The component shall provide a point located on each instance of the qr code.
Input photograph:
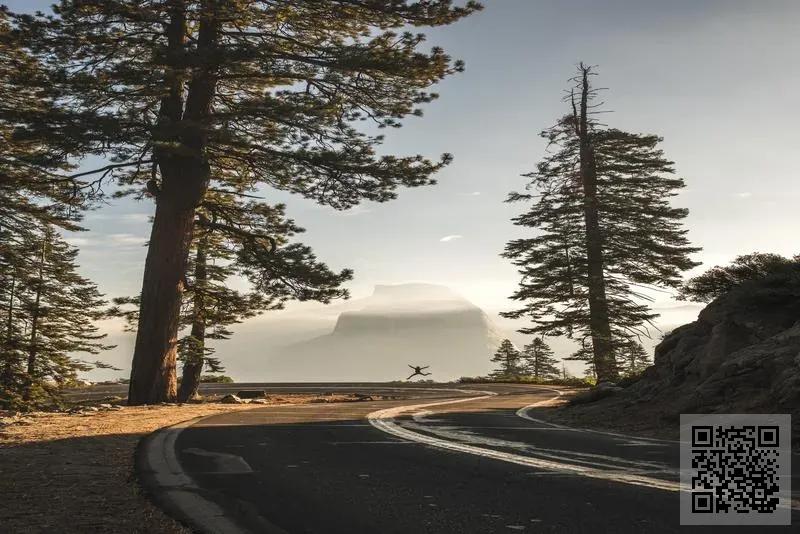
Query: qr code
(735, 465)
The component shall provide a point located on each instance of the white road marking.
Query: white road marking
(523, 412)
(422, 417)
(463, 435)
(384, 420)
(373, 442)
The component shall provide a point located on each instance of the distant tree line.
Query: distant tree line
(536, 362)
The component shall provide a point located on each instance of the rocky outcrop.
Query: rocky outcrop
(741, 355)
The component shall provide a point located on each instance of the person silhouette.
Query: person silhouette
(418, 371)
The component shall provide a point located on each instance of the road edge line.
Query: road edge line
(523, 413)
(160, 474)
(383, 420)
(164, 482)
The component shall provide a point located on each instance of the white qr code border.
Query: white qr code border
(735, 469)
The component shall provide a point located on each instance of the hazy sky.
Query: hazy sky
(715, 78)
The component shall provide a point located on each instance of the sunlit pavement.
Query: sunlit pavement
(470, 466)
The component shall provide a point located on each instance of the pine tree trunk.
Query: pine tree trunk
(32, 348)
(8, 365)
(153, 377)
(605, 366)
(193, 366)
(185, 177)
(190, 379)
(10, 318)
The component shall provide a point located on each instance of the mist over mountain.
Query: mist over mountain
(418, 324)
(374, 338)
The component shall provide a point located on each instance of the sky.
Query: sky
(714, 78)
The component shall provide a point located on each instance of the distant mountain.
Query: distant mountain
(370, 334)
(419, 324)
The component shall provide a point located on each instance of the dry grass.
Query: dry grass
(74, 473)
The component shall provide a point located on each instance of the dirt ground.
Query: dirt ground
(73, 473)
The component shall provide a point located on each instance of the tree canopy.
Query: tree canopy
(509, 361)
(192, 96)
(719, 281)
(48, 315)
(538, 359)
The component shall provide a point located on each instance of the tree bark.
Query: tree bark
(602, 346)
(5, 349)
(190, 379)
(193, 366)
(153, 377)
(10, 318)
(31, 370)
(185, 175)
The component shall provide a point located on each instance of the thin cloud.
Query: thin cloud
(473, 194)
(125, 240)
(134, 217)
(355, 210)
(77, 241)
(745, 194)
(96, 216)
(447, 238)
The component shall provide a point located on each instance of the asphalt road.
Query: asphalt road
(326, 468)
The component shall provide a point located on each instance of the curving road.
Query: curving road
(439, 461)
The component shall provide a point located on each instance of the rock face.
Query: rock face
(741, 355)
(418, 324)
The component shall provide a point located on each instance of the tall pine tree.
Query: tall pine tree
(633, 358)
(539, 361)
(604, 230)
(230, 241)
(509, 360)
(169, 91)
(49, 314)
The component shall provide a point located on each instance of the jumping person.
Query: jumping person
(418, 371)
